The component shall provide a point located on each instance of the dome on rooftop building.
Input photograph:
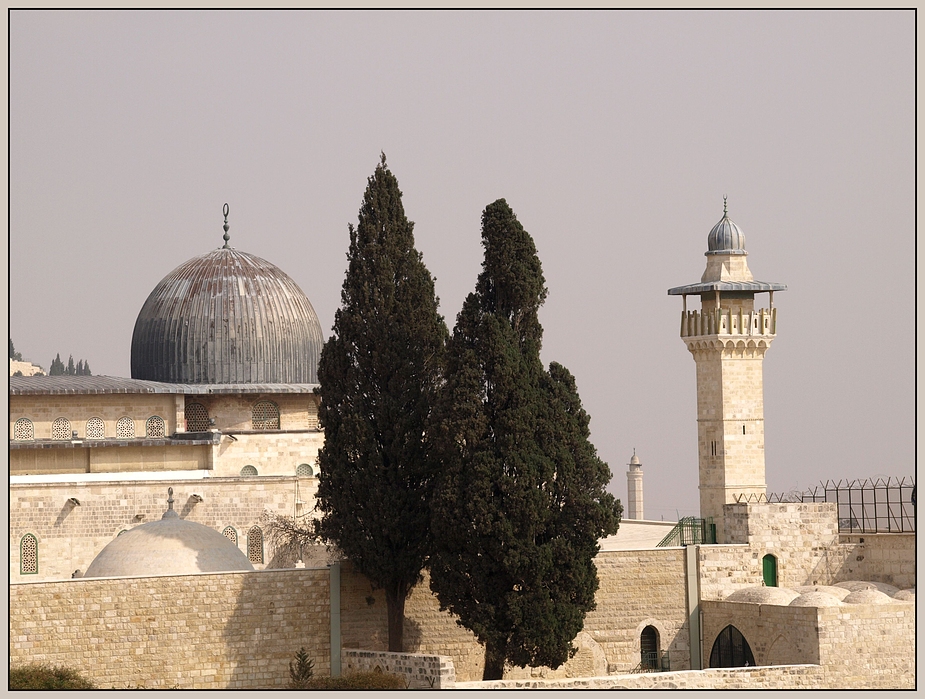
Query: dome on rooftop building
(168, 546)
(227, 317)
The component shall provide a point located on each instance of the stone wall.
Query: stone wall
(271, 453)
(419, 671)
(206, 631)
(888, 558)
(69, 537)
(43, 410)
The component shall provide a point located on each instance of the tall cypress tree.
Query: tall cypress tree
(70, 371)
(520, 502)
(378, 375)
(57, 366)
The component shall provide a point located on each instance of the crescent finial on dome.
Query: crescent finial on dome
(170, 511)
(226, 227)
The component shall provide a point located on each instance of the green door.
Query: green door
(769, 566)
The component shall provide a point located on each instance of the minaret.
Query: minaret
(728, 338)
(634, 489)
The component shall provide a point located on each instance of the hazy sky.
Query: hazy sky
(613, 136)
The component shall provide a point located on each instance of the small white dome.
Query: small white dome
(858, 585)
(816, 599)
(169, 546)
(764, 595)
(905, 595)
(838, 593)
(867, 597)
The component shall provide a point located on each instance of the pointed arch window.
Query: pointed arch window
(730, 649)
(231, 534)
(255, 545)
(28, 555)
(265, 416)
(23, 430)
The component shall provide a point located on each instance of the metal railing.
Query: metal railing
(653, 662)
(690, 530)
(865, 506)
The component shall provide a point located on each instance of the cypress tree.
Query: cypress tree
(378, 375)
(520, 503)
(70, 371)
(57, 366)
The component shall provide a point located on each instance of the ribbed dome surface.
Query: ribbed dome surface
(726, 238)
(227, 317)
(169, 546)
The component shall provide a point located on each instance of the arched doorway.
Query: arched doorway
(730, 649)
(769, 570)
(648, 648)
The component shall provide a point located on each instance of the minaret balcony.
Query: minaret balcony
(725, 321)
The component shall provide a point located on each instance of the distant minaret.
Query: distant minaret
(634, 489)
(728, 339)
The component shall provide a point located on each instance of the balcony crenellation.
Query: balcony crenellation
(724, 321)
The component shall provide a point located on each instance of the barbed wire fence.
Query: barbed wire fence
(865, 505)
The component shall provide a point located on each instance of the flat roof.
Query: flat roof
(98, 385)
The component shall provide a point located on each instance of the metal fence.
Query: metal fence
(868, 505)
(691, 530)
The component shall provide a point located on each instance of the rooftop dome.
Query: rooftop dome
(726, 238)
(169, 546)
(764, 595)
(227, 317)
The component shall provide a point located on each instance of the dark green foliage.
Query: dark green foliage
(359, 680)
(378, 376)
(70, 366)
(14, 355)
(82, 368)
(57, 366)
(301, 670)
(47, 677)
(520, 503)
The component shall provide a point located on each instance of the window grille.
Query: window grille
(255, 545)
(731, 650)
(230, 534)
(125, 428)
(23, 430)
(155, 427)
(265, 416)
(95, 428)
(249, 470)
(304, 471)
(28, 555)
(197, 418)
(312, 416)
(61, 429)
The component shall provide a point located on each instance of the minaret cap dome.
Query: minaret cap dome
(726, 238)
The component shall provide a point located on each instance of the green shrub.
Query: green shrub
(359, 680)
(45, 677)
(301, 670)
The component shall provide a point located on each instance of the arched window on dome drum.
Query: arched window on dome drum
(304, 471)
(249, 470)
(95, 428)
(265, 416)
(197, 418)
(731, 650)
(125, 428)
(648, 648)
(28, 555)
(231, 534)
(255, 545)
(23, 430)
(155, 427)
(61, 429)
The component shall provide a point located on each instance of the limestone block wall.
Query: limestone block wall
(207, 631)
(888, 558)
(271, 453)
(77, 409)
(69, 537)
(297, 411)
(58, 460)
(419, 671)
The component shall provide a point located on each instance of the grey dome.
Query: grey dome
(764, 595)
(169, 546)
(227, 317)
(726, 238)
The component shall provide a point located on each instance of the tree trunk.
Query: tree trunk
(395, 602)
(494, 662)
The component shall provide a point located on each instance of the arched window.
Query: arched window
(95, 428)
(648, 648)
(231, 534)
(28, 555)
(197, 418)
(125, 428)
(265, 416)
(255, 545)
(154, 427)
(249, 470)
(61, 429)
(304, 471)
(23, 430)
(769, 570)
(731, 649)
